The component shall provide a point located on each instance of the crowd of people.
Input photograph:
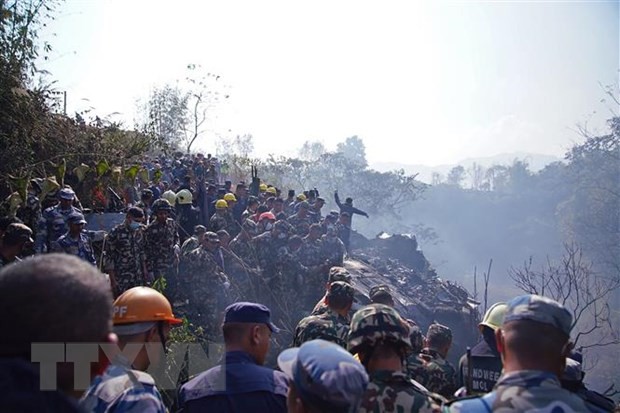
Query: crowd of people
(249, 263)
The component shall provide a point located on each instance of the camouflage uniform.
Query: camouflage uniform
(207, 290)
(332, 250)
(388, 391)
(434, 372)
(392, 391)
(244, 249)
(120, 389)
(160, 242)
(329, 326)
(335, 274)
(81, 247)
(217, 222)
(52, 225)
(190, 245)
(288, 281)
(125, 256)
(300, 225)
(524, 391)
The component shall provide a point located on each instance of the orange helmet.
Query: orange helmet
(142, 304)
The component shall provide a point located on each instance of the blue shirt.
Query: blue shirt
(239, 386)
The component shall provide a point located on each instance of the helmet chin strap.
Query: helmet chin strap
(160, 331)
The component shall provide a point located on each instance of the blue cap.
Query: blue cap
(76, 218)
(66, 193)
(540, 309)
(245, 312)
(325, 375)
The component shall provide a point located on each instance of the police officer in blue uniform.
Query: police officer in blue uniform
(240, 383)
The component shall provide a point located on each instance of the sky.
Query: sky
(427, 82)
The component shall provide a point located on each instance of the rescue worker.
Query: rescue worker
(323, 377)
(348, 207)
(142, 316)
(531, 377)
(194, 241)
(333, 325)
(335, 274)
(162, 246)
(53, 223)
(76, 241)
(218, 220)
(146, 200)
(242, 245)
(125, 259)
(30, 211)
(207, 285)
(187, 215)
(301, 220)
(485, 359)
(232, 225)
(332, 247)
(240, 383)
(434, 371)
(380, 338)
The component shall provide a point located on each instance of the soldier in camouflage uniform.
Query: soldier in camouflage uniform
(431, 368)
(333, 325)
(125, 259)
(218, 221)
(332, 248)
(76, 241)
(146, 200)
(335, 274)
(534, 340)
(242, 245)
(310, 255)
(288, 282)
(162, 246)
(53, 223)
(380, 338)
(207, 286)
(301, 220)
(194, 241)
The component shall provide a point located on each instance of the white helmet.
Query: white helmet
(184, 197)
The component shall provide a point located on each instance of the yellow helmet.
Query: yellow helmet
(301, 197)
(494, 317)
(142, 304)
(262, 187)
(230, 197)
(221, 204)
(272, 190)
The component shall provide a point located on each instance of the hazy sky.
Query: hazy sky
(419, 82)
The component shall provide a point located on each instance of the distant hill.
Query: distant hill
(535, 161)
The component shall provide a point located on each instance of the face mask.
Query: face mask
(282, 236)
(268, 226)
(134, 225)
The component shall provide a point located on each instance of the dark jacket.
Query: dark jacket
(240, 386)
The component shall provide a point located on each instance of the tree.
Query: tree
(573, 283)
(311, 150)
(167, 115)
(476, 174)
(436, 178)
(353, 149)
(456, 176)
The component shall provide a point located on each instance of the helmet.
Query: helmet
(142, 304)
(266, 215)
(161, 205)
(376, 323)
(272, 190)
(221, 204)
(301, 197)
(169, 196)
(230, 197)
(262, 187)
(184, 197)
(494, 316)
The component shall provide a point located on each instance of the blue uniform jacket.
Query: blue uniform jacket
(239, 386)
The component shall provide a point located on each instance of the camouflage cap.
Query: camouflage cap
(66, 193)
(338, 274)
(199, 229)
(211, 236)
(17, 232)
(161, 205)
(281, 226)
(375, 323)
(325, 375)
(76, 218)
(439, 332)
(540, 309)
(341, 289)
(379, 292)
